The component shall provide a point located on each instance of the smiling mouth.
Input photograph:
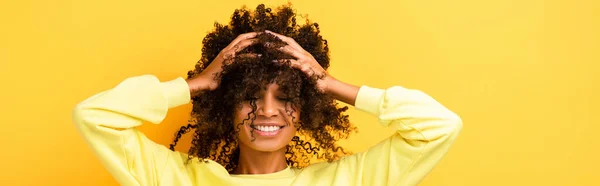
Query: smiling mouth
(264, 128)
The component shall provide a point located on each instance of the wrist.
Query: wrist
(341, 91)
(198, 85)
(330, 84)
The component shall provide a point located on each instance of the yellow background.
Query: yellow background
(521, 73)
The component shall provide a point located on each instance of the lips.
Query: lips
(267, 129)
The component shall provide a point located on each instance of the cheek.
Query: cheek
(296, 114)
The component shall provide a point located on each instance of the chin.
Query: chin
(266, 146)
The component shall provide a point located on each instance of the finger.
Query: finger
(286, 39)
(244, 44)
(291, 51)
(242, 37)
(250, 55)
(303, 67)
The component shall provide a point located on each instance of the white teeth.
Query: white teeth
(267, 128)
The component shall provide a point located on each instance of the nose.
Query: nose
(268, 107)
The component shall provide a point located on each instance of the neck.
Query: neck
(256, 162)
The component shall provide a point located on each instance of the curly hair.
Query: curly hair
(322, 121)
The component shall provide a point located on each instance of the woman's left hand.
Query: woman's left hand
(305, 62)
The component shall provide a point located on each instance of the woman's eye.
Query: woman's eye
(283, 98)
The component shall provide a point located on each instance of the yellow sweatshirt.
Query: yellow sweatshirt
(108, 120)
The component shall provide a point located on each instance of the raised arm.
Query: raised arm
(425, 132)
(108, 120)
(425, 128)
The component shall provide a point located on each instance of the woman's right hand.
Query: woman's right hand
(206, 81)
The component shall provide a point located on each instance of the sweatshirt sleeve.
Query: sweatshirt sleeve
(425, 131)
(108, 119)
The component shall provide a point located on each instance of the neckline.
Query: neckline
(285, 173)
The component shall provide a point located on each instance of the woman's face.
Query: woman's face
(273, 127)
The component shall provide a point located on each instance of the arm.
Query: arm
(108, 119)
(425, 132)
(425, 128)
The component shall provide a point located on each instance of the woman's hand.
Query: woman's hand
(206, 80)
(306, 63)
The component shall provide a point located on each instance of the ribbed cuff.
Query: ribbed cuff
(369, 99)
(176, 91)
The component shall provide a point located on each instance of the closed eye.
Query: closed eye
(283, 98)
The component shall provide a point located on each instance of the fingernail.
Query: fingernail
(259, 55)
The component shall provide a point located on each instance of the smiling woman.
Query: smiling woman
(259, 85)
(263, 104)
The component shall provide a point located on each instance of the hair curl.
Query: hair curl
(321, 123)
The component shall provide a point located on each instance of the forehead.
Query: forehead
(272, 87)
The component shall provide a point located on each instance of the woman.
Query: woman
(263, 107)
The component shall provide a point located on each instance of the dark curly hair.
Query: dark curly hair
(321, 122)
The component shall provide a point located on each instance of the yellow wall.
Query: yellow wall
(520, 73)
